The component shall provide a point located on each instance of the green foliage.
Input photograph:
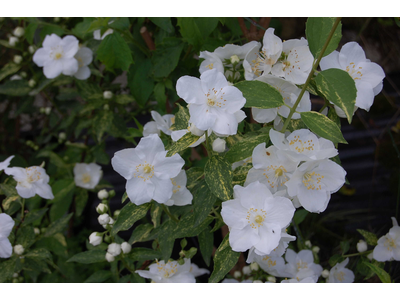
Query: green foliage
(114, 52)
(218, 175)
(129, 214)
(260, 94)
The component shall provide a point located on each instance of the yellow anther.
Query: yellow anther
(86, 178)
(147, 169)
(259, 219)
(278, 172)
(58, 56)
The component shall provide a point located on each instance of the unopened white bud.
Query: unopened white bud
(271, 279)
(116, 213)
(104, 219)
(315, 249)
(196, 131)
(62, 136)
(362, 246)
(15, 77)
(114, 249)
(23, 74)
(126, 247)
(237, 274)
(107, 95)
(56, 19)
(254, 266)
(106, 107)
(102, 209)
(36, 230)
(18, 31)
(102, 194)
(246, 270)
(235, 59)
(13, 41)
(370, 256)
(15, 275)
(47, 110)
(31, 49)
(32, 82)
(325, 273)
(109, 257)
(257, 281)
(94, 239)
(308, 243)
(17, 59)
(219, 145)
(18, 249)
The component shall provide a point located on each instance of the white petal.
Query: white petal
(167, 167)
(189, 89)
(70, 66)
(51, 41)
(149, 146)
(83, 73)
(5, 248)
(163, 189)
(7, 224)
(243, 239)
(264, 115)
(351, 53)
(125, 161)
(234, 214)
(138, 191)
(201, 116)
(53, 68)
(41, 56)
(70, 45)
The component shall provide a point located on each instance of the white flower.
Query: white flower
(19, 249)
(196, 271)
(313, 183)
(255, 218)
(12, 40)
(84, 56)
(272, 264)
(103, 219)
(126, 247)
(246, 270)
(4, 164)
(160, 123)
(87, 176)
(271, 279)
(388, 247)
(325, 273)
(340, 274)
(362, 246)
(102, 194)
(301, 265)
(147, 170)
(219, 145)
(303, 145)
(6, 225)
(298, 280)
(213, 102)
(94, 239)
(101, 208)
(107, 95)
(289, 92)
(180, 194)
(169, 272)
(114, 249)
(368, 76)
(97, 33)
(109, 257)
(296, 63)
(271, 167)
(17, 59)
(18, 31)
(31, 181)
(257, 62)
(57, 55)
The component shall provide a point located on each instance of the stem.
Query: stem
(217, 214)
(169, 213)
(314, 68)
(22, 209)
(298, 233)
(209, 152)
(325, 106)
(357, 254)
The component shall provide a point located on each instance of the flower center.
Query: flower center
(300, 146)
(302, 265)
(175, 187)
(340, 276)
(86, 178)
(210, 102)
(390, 244)
(57, 56)
(144, 171)
(255, 217)
(33, 174)
(147, 169)
(312, 181)
(278, 172)
(351, 69)
(168, 269)
(275, 176)
(271, 263)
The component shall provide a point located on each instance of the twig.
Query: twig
(147, 38)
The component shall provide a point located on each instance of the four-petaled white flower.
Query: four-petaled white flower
(57, 56)
(147, 170)
(301, 265)
(272, 264)
(180, 194)
(388, 247)
(196, 271)
(169, 272)
(84, 56)
(87, 176)
(213, 102)
(368, 76)
(255, 218)
(340, 274)
(6, 225)
(4, 164)
(31, 181)
(313, 182)
(160, 123)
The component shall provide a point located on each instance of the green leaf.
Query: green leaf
(244, 148)
(39, 254)
(181, 118)
(164, 23)
(7, 268)
(166, 56)
(141, 233)
(81, 198)
(9, 69)
(25, 237)
(203, 201)
(121, 23)
(140, 82)
(8, 189)
(193, 176)
(299, 216)
(260, 94)
(338, 87)
(195, 30)
(15, 88)
(369, 237)
(182, 144)
(317, 32)
(114, 52)
(32, 216)
(63, 191)
(57, 226)
(323, 126)
(142, 254)
(129, 214)
(218, 175)
(99, 276)
(30, 32)
(335, 259)
(224, 260)
(89, 257)
(345, 246)
(102, 123)
(382, 274)
(160, 95)
(155, 213)
(49, 29)
(206, 242)
(9, 200)
(124, 99)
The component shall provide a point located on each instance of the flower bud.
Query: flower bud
(62, 136)
(271, 279)
(114, 249)
(237, 274)
(107, 95)
(257, 281)
(196, 131)
(32, 82)
(104, 219)
(308, 243)
(13, 41)
(126, 247)
(94, 239)
(15, 275)
(31, 49)
(235, 59)
(246, 270)
(18, 249)
(116, 213)
(18, 31)
(315, 249)
(325, 273)
(106, 107)
(219, 145)
(111, 193)
(36, 230)
(102, 209)
(370, 256)
(15, 77)
(23, 74)
(362, 246)
(56, 19)
(102, 194)
(47, 110)
(17, 59)
(109, 257)
(15, 280)
(254, 266)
